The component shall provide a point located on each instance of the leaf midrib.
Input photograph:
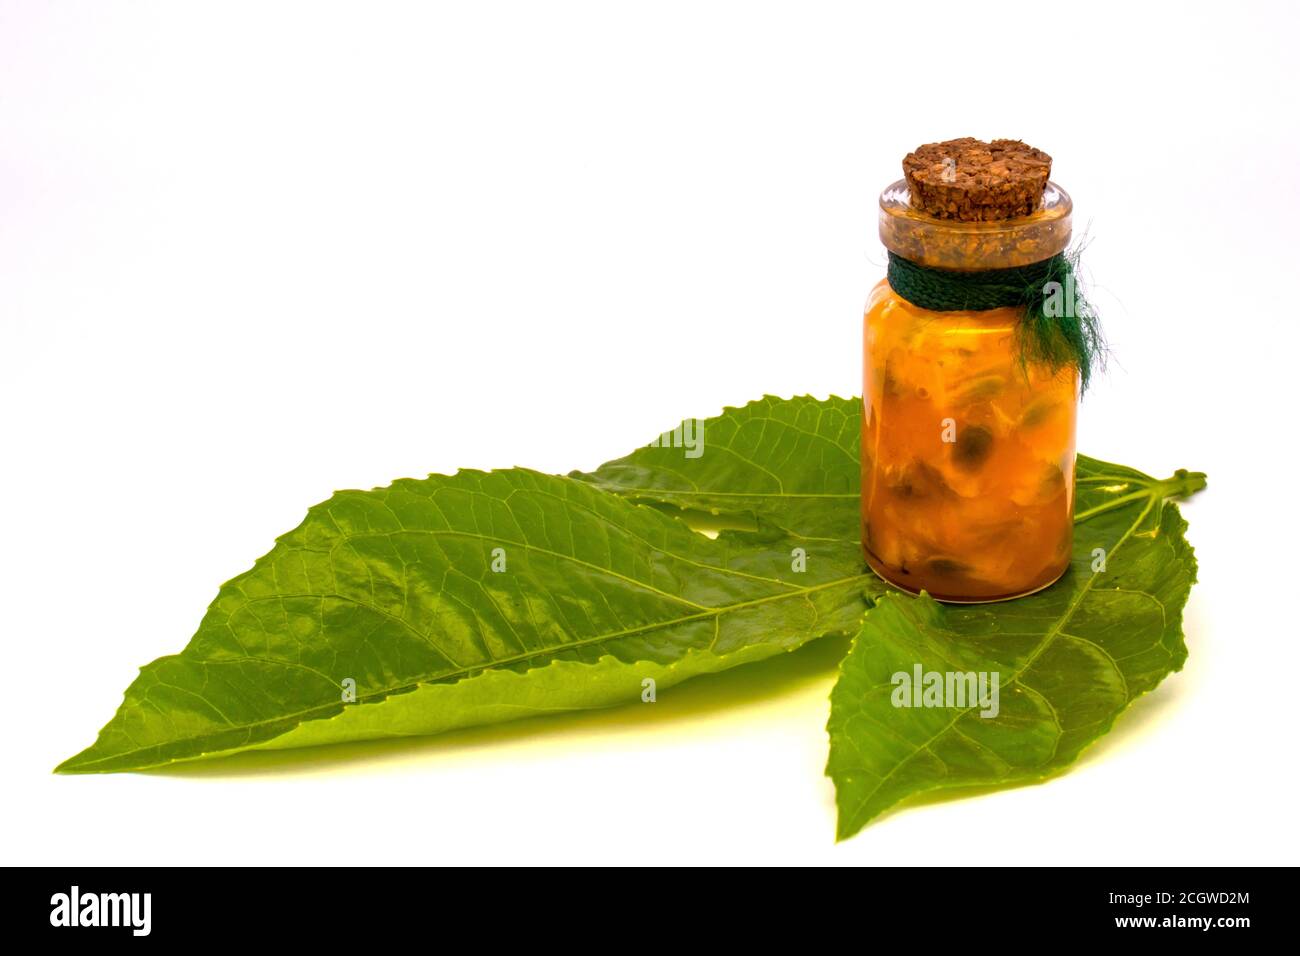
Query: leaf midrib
(453, 677)
(625, 490)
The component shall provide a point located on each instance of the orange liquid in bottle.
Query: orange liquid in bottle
(967, 454)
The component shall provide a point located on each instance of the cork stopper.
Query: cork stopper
(969, 180)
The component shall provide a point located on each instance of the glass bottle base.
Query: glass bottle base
(954, 598)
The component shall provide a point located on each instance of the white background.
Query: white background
(251, 253)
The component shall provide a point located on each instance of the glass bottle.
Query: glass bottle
(967, 447)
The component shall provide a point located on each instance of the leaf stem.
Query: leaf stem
(1183, 484)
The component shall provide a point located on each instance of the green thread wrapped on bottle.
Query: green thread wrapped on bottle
(1058, 326)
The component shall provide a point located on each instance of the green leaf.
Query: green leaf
(1070, 659)
(790, 461)
(794, 463)
(395, 590)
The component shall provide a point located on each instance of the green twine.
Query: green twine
(1058, 326)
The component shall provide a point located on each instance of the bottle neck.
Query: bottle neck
(974, 246)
